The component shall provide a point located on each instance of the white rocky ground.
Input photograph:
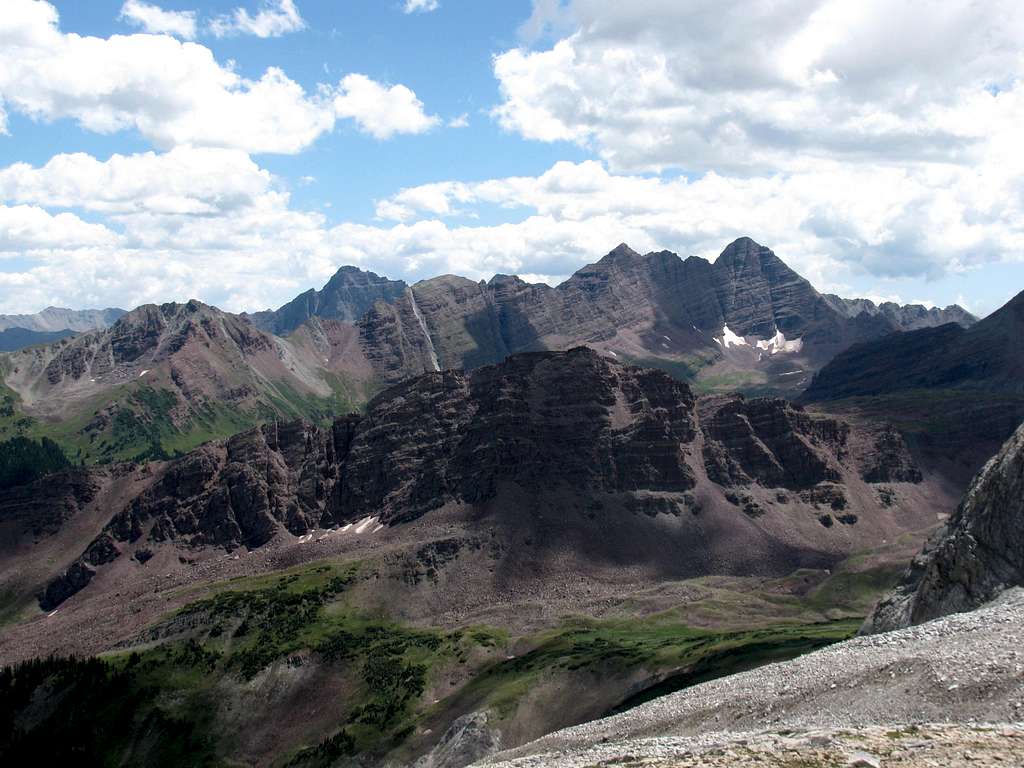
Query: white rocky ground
(927, 695)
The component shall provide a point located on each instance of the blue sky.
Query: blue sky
(444, 56)
(240, 151)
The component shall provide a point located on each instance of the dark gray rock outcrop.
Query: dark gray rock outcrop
(771, 442)
(977, 554)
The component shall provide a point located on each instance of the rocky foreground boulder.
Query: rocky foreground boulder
(977, 555)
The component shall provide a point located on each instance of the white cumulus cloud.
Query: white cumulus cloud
(25, 229)
(381, 110)
(869, 144)
(887, 222)
(176, 93)
(750, 87)
(165, 224)
(273, 19)
(201, 181)
(155, 20)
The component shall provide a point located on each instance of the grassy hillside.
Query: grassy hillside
(138, 422)
(288, 654)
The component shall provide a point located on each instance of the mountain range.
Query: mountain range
(392, 524)
(986, 356)
(722, 322)
(165, 378)
(472, 510)
(621, 445)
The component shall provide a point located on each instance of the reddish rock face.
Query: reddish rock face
(43, 507)
(547, 424)
(770, 442)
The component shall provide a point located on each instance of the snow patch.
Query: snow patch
(143, 373)
(365, 523)
(426, 334)
(779, 343)
(773, 346)
(730, 339)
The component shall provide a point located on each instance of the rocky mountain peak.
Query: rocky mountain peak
(620, 255)
(347, 296)
(506, 280)
(761, 295)
(743, 253)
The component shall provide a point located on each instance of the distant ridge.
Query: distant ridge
(60, 319)
(906, 317)
(745, 321)
(987, 356)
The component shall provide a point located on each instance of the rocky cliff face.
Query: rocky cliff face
(613, 439)
(977, 554)
(237, 493)
(347, 296)
(655, 308)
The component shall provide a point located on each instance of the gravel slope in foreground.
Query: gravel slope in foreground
(966, 668)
